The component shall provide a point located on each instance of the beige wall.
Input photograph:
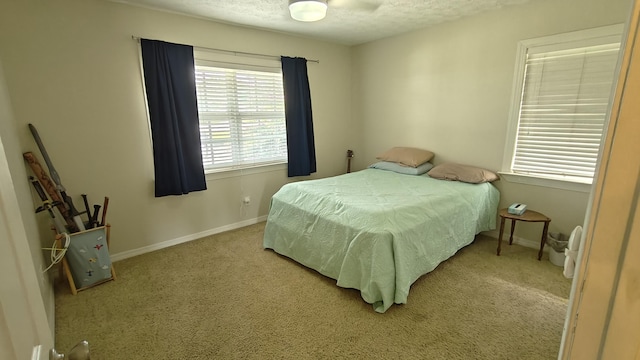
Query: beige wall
(448, 89)
(72, 69)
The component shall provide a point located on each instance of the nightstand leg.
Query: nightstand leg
(544, 238)
(513, 227)
(500, 234)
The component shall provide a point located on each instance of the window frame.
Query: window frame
(560, 41)
(205, 57)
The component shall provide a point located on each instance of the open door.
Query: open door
(603, 318)
(24, 328)
(23, 320)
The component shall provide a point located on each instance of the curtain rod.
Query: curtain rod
(137, 38)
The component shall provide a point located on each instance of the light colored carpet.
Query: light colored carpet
(225, 297)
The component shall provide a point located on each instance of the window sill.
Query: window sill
(231, 172)
(556, 183)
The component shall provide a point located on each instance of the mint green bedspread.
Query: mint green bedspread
(377, 231)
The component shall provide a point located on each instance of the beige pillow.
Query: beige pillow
(406, 155)
(464, 173)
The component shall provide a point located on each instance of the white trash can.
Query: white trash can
(556, 257)
(557, 243)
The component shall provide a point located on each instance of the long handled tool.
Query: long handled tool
(87, 210)
(94, 218)
(48, 205)
(50, 187)
(105, 205)
(56, 178)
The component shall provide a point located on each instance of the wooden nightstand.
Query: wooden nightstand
(528, 216)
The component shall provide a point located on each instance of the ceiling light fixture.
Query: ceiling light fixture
(308, 10)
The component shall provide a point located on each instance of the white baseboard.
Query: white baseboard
(51, 311)
(516, 240)
(165, 244)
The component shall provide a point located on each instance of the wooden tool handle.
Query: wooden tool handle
(104, 211)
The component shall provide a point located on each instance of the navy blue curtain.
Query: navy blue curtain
(169, 76)
(297, 102)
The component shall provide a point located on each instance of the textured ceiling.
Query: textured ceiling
(348, 22)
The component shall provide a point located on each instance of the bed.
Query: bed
(377, 231)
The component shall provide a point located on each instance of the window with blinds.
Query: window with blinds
(564, 99)
(242, 121)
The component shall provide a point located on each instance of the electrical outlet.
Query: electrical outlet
(246, 200)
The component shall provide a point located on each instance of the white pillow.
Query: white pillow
(402, 169)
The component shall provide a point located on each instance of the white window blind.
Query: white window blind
(242, 121)
(565, 97)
